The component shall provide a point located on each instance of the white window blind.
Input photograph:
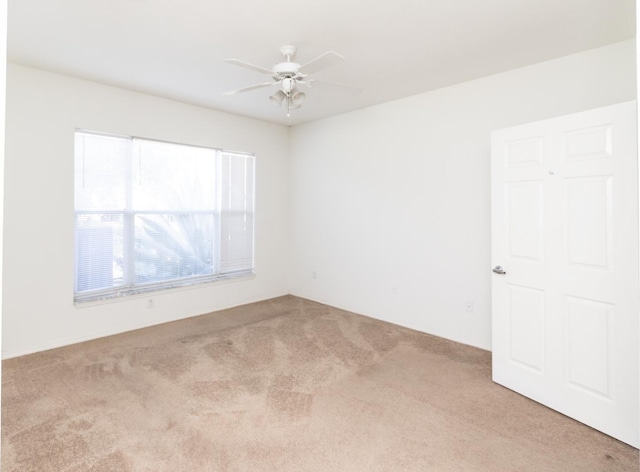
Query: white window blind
(151, 215)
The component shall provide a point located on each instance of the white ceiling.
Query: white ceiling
(393, 48)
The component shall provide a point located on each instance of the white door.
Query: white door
(565, 232)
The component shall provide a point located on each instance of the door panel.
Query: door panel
(526, 318)
(589, 356)
(565, 230)
(524, 152)
(588, 143)
(588, 221)
(525, 223)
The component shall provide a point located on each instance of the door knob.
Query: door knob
(499, 270)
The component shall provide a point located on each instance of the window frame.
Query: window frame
(129, 285)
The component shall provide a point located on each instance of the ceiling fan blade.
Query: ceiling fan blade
(251, 87)
(351, 89)
(323, 61)
(246, 65)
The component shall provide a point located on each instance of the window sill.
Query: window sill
(156, 291)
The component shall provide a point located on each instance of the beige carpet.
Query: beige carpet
(282, 385)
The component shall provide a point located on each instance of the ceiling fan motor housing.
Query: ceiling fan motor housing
(288, 84)
(287, 69)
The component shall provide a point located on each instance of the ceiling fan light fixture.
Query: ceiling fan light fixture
(277, 98)
(297, 98)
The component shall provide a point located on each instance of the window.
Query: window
(151, 215)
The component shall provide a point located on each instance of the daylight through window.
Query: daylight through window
(151, 215)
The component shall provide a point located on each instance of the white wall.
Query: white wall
(43, 110)
(390, 205)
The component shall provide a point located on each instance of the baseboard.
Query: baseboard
(352, 310)
(9, 354)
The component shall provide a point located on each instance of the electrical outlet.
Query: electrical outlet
(150, 303)
(314, 275)
(468, 307)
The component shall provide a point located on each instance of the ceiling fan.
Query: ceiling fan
(289, 75)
